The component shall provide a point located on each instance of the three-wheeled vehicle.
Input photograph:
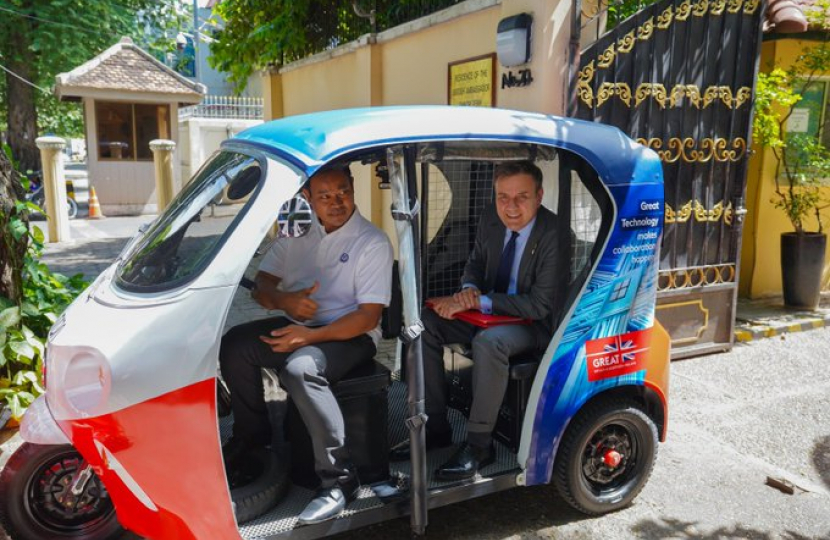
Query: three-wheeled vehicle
(129, 425)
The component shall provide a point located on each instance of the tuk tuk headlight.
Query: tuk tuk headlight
(87, 381)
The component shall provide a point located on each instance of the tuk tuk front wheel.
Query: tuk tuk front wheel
(606, 456)
(37, 499)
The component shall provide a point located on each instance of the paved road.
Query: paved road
(761, 410)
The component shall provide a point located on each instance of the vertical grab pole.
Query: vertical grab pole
(404, 212)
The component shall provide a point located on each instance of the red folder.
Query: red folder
(483, 320)
(486, 321)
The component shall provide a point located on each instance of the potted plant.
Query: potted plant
(802, 163)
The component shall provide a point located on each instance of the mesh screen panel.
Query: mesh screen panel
(458, 192)
(585, 224)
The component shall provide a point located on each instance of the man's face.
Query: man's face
(517, 200)
(332, 198)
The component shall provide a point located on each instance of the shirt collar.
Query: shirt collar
(524, 232)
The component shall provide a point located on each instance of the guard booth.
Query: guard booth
(129, 99)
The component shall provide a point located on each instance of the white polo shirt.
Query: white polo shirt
(353, 266)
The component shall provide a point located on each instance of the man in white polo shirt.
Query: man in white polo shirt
(332, 285)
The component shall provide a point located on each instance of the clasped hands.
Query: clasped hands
(301, 307)
(447, 306)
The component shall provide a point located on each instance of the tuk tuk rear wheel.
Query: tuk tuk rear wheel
(606, 456)
(37, 502)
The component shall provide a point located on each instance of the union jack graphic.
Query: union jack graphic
(621, 346)
(616, 355)
(294, 218)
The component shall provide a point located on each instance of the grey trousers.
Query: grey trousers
(492, 349)
(306, 375)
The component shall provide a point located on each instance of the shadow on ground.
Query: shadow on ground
(510, 514)
(673, 528)
(821, 458)
(89, 257)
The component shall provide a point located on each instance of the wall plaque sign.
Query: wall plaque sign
(472, 81)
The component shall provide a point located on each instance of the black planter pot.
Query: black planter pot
(802, 264)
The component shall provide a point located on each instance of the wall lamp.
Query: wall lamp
(513, 39)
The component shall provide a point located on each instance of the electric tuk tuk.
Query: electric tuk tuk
(131, 365)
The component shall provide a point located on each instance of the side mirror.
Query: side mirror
(244, 183)
(294, 218)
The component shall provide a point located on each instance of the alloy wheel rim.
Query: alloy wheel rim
(609, 459)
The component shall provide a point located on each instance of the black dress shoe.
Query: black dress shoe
(350, 487)
(465, 463)
(400, 452)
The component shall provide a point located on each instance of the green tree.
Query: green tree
(41, 38)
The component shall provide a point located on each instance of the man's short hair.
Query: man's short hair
(331, 167)
(512, 168)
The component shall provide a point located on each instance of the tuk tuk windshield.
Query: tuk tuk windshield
(182, 241)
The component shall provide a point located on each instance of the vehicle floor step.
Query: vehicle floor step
(283, 518)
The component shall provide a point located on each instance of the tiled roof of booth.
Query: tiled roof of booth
(125, 67)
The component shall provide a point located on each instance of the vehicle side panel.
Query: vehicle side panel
(606, 343)
(156, 481)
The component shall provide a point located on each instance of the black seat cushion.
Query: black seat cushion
(365, 378)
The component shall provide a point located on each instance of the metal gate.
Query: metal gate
(678, 77)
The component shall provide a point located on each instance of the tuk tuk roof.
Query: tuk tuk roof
(311, 140)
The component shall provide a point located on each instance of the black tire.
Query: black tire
(600, 434)
(35, 481)
(266, 491)
(72, 208)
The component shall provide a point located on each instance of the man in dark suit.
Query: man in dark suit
(511, 271)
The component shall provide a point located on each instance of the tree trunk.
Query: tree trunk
(11, 251)
(20, 97)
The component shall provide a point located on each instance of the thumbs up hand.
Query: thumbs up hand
(299, 304)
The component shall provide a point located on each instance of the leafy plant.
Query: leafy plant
(802, 160)
(25, 323)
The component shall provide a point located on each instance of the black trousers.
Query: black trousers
(492, 349)
(305, 374)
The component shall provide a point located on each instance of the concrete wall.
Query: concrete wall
(408, 64)
(415, 63)
(761, 250)
(199, 138)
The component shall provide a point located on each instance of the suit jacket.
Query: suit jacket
(537, 285)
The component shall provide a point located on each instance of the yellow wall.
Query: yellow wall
(409, 66)
(339, 82)
(761, 250)
(549, 57)
(415, 64)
